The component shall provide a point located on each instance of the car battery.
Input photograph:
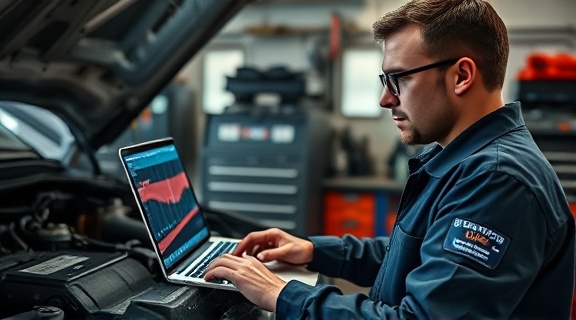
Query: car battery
(78, 282)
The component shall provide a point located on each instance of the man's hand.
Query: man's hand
(250, 276)
(275, 244)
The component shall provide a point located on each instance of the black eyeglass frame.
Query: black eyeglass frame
(391, 79)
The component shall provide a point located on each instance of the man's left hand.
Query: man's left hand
(251, 278)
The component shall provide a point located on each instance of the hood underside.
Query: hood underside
(97, 64)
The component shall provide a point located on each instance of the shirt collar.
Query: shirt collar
(436, 160)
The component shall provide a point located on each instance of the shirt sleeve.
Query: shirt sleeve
(300, 301)
(343, 257)
(445, 284)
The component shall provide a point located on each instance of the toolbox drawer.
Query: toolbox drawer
(349, 212)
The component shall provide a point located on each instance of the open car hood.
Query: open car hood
(97, 64)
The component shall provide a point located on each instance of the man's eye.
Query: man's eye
(403, 79)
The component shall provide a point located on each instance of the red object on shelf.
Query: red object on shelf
(335, 37)
(544, 66)
(349, 212)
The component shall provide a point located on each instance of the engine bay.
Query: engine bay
(72, 256)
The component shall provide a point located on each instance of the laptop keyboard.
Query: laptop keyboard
(220, 249)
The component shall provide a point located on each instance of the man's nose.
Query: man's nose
(387, 99)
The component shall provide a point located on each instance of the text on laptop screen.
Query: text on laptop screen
(168, 201)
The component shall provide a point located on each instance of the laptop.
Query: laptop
(175, 221)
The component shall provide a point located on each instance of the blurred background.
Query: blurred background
(278, 116)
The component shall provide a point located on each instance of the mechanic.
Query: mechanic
(484, 229)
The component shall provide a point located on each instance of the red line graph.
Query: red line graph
(164, 243)
(166, 191)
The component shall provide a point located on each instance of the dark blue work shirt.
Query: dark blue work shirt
(483, 231)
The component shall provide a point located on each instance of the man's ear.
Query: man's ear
(465, 75)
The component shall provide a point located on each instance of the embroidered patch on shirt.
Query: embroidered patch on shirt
(477, 242)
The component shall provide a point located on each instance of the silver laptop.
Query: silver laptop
(174, 219)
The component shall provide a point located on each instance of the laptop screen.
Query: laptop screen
(171, 209)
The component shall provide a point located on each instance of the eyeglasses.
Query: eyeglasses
(391, 79)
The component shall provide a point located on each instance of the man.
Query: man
(483, 230)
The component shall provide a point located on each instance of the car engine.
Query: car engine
(81, 252)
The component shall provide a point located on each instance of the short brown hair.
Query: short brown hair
(454, 29)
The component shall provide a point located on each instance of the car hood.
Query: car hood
(97, 64)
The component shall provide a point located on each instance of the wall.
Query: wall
(534, 25)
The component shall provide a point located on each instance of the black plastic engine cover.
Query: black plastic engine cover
(107, 285)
